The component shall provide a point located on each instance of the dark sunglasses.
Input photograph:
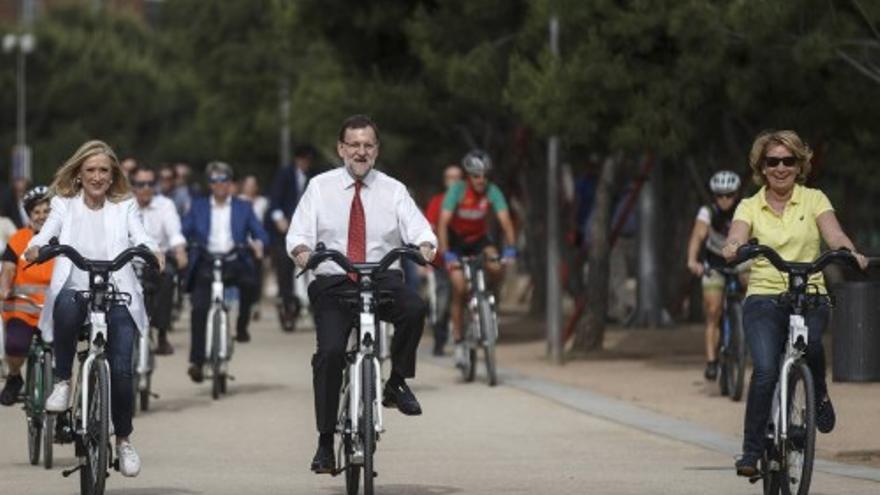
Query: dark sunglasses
(726, 196)
(140, 184)
(217, 179)
(774, 161)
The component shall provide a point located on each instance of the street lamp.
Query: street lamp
(21, 153)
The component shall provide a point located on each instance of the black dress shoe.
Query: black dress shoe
(9, 395)
(164, 348)
(398, 394)
(747, 465)
(825, 417)
(195, 373)
(242, 337)
(324, 461)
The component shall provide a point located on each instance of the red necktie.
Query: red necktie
(357, 228)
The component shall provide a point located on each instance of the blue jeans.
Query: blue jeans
(70, 313)
(766, 326)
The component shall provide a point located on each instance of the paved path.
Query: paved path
(471, 440)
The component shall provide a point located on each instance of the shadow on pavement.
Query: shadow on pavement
(159, 490)
(405, 490)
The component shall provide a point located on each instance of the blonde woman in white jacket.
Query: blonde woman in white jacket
(92, 211)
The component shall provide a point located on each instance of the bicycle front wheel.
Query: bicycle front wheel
(48, 419)
(368, 428)
(96, 439)
(32, 412)
(737, 355)
(216, 365)
(799, 449)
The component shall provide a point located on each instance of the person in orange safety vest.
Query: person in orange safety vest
(22, 291)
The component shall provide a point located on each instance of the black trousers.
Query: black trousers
(284, 270)
(159, 299)
(334, 319)
(235, 273)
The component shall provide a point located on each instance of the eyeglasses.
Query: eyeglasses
(477, 176)
(774, 161)
(726, 196)
(368, 147)
(140, 184)
(166, 177)
(217, 179)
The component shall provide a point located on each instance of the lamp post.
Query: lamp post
(23, 44)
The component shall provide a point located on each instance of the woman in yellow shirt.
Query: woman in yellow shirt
(792, 219)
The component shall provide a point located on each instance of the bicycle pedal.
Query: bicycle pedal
(67, 472)
(756, 478)
(154, 395)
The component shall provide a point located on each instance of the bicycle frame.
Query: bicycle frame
(218, 305)
(97, 340)
(365, 350)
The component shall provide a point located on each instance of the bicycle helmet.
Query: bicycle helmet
(724, 182)
(476, 162)
(33, 197)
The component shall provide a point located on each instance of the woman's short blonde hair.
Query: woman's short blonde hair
(67, 184)
(791, 141)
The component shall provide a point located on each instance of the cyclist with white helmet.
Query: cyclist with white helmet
(706, 242)
(463, 230)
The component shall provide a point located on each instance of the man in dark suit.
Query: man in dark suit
(287, 189)
(219, 223)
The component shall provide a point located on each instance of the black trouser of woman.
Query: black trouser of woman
(70, 314)
(335, 318)
(766, 325)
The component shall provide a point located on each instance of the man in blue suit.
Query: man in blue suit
(219, 223)
(287, 188)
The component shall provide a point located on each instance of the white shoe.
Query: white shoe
(460, 355)
(59, 400)
(129, 461)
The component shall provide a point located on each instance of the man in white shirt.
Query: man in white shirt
(161, 222)
(364, 213)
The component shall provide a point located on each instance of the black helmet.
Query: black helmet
(33, 197)
(477, 162)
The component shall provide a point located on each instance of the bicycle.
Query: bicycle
(87, 422)
(360, 415)
(731, 351)
(786, 465)
(482, 329)
(218, 342)
(38, 385)
(144, 358)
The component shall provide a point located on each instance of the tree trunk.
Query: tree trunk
(591, 332)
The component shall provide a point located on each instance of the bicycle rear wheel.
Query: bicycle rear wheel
(737, 353)
(799, 449)
(368, 429)
(96, 439)
(34, 421)
(48, 419)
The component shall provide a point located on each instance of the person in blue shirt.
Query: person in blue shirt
(220, 222)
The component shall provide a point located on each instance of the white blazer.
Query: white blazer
(123, 228)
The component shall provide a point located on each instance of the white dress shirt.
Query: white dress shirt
(220, 237)
(392, 217)
(121, 229)
(162, 223)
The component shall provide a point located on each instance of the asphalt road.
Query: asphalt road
(472, 439)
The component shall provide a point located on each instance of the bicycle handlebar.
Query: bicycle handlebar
(322, 254)
(54, 249)
(227, 256)
(753, 250)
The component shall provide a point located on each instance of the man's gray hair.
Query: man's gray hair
(217, 167)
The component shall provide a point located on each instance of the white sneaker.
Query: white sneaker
(59, 400)
(129, 461)
(460, 355)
